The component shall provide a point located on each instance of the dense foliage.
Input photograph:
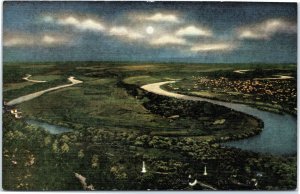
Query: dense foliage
(116, 126)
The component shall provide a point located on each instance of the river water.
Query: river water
(279, 135)
(53, 129)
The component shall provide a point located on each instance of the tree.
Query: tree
(55, 148)
(65, 139)
(65, 148)
(95, 161)
(119, 172)
(80, 154)
(47, 140)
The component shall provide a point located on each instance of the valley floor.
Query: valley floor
(115, 126)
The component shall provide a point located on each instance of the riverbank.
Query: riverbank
(276, 96)
(31, 80)
(261, 106)
(37, 94)
(113, 133)
(176, 106)
(261, 143)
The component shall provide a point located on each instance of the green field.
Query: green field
(116, 125)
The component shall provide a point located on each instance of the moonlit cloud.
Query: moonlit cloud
(160, 17)
(90, 24)
(194, 31)
(266, 29)
(168, 40)
(45, 40)
(21, 40)
(164, 36)
(156, 17)
(54, 40)
(210, 47)
(80, 23)
(119, 31)
(160, 31)
(68, 21)
(123, 31)
(48, 19)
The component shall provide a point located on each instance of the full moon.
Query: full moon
(149, 30)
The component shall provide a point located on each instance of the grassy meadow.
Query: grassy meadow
(116, 125)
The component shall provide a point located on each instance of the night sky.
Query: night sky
(150, 31)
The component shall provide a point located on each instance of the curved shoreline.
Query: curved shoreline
(278, 137)
(37, 94)
(267, 106)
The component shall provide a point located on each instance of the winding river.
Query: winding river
(279, 135)
(37, 94)
(32, 80)
(53, 129)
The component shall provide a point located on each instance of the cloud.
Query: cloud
(168, 40)
(119, 31)
(123, 31)
(210, 47)
(11, 41)
(164, 36)
(80, 23)
(48, 19)
(54, 39)
(158, 17)
(91, 23)
(266, 29)
(45, 40)
(194, 31)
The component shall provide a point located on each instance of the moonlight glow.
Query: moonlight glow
(149, 30)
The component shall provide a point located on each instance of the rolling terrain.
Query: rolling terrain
(113, 124)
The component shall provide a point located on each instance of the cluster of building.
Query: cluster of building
(275, 91)
(17, 114)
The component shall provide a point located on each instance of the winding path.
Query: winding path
(37, 94)
(278, 137)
